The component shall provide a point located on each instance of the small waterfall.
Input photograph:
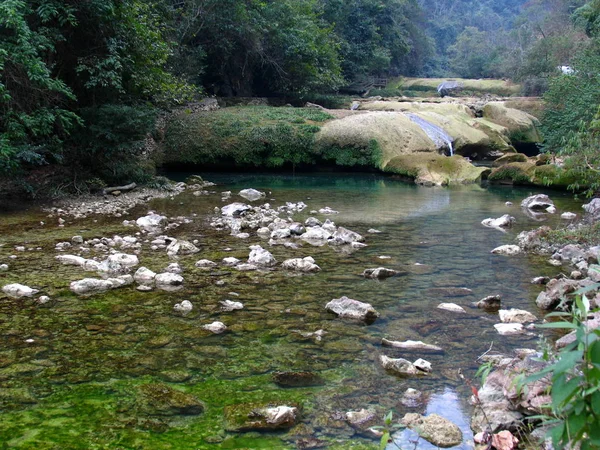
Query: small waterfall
(435, 133)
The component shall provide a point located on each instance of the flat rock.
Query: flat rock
(508, 329)
(168, 281)
(451, 307)
(235, 209)
(516, 316)
(412, 345)
(301, 265)
(506, 221)
(379, 273)
(347, 308)
(343, 236)
(508, 250)
(229, 305)
(17, 290)
(181, 247)
(400, 366)
(434, 429)
(449, 292)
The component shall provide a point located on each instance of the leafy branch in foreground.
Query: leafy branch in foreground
(575, 377)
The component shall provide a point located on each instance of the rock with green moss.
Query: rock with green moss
(297, 379)
(261, 416)
(436, 170)
(162, 400)
(510, 158)
(522, 127)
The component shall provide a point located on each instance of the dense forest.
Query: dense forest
(81, 83)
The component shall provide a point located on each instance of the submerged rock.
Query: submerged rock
(379, 273)
(297, 379)
(251, 194)
(229, 305)
(162, 400)
(118, 263)
(94, 285)
(453, 307)
(316, 233)
(17, 290)
(412, 398)
(168, 281)
(352, 309)
(434, 429)
(508, 329)
(301, 264)
(364, 421)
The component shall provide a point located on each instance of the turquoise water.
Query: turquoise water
(77, 384)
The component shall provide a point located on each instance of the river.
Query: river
(70, 370)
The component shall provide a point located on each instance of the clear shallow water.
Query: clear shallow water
(77, 384)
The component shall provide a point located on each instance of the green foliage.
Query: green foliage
(111, 145)
(571, 123)
(588, 235)
(512, 171)
(575, 377)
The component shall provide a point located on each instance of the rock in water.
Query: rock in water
(118, 263)
(363, 421)
(251, 194)
(379, 273)
(205, 264)
(505, 221)
(301, 264)
(260, 256)
(352, 309)
(177, 247)
(490, 303)
(297, 379)
(412, 345)
(453, 307)
(256, 416)
(516, 316)
(507, 250)
(400, 366)
(144, 276)
(162, 400)
(168, 281)
(435, 429)
(229, 305)
(184, 306)
(215, 327)
(235, 209)
(17, 290)
(344, 236)
(539, 202)
(508, 329)
(152, 223)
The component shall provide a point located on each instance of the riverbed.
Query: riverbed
(71, 369)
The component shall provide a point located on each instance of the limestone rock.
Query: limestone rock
(297, 379)
(412, 398)
(230, 261)
(508, 329)
(257, 417)
(593, 208)
(118, 263)
(344, 236)
(316, 233)
(162, 400)
(568, 216)
(168, 281)
(180, 247)
(363, 420)
(17, 290)
(434, 429)
(94, 285)
(557, 290)
(229, 305)
(347, 308)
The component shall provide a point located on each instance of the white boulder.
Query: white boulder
(17, 290)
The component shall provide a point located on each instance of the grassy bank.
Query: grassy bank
(258, 136)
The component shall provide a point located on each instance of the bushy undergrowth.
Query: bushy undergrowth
(258, 136)
(588, 235)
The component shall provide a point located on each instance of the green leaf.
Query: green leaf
(562, 325)
(576, 424)
(384, 440)
(595, 404)
(594, 352)
(567, 361)
(563, 392)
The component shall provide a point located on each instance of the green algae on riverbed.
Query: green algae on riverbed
(77, 383)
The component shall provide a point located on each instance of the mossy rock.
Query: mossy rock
(522, 127)
(433, 169)
(551, 175)
(512, 173)
(297, 379)
(162, 400)
(253, 417)
(510, 158)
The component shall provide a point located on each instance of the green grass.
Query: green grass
(258, 136)
(483, 86)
